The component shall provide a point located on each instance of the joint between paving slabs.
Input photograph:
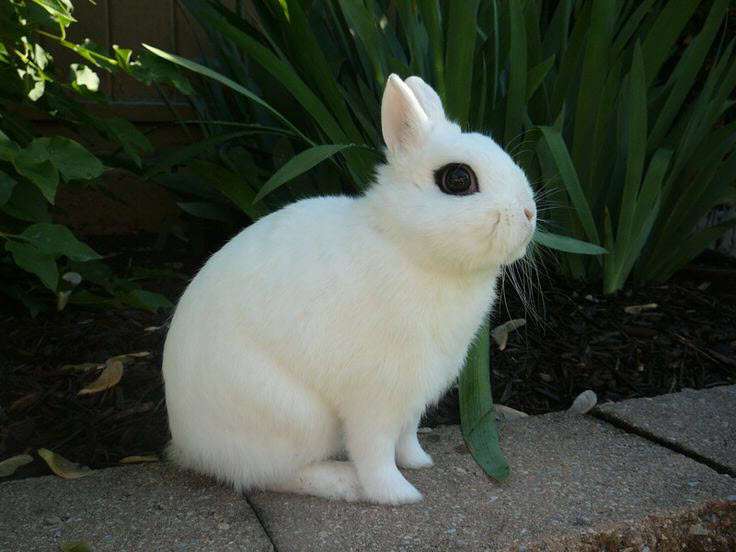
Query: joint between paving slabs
(675, 447)
(262, 523)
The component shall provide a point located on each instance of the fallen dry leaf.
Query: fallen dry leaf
(638, 309)
(20, 404)
(76, 546)
(81, 368)
(500, 334)
(129, 356)
(139, 459)
(62, 467)
(9, 465)
(504, 412)
(109, 377)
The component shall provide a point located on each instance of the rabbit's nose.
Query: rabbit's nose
(528, 214)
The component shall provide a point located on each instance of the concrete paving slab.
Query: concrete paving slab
(135, 508)
(701, 423)
(570, 476)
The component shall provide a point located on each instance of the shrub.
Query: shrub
(32, 168)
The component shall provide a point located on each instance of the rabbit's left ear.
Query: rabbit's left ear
(404, 122)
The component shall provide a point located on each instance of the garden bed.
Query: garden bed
(578, 340)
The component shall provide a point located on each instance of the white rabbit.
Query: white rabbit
(330, 325)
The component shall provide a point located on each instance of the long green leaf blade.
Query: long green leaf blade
(299, 164)
(567, 244)
(477, 416)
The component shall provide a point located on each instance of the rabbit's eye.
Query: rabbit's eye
(456, 179)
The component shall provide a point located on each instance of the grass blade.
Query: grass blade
(567, 244)
(461, 37)
(299, 164)
(564, 164)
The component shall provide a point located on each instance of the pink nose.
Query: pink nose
(528, 214)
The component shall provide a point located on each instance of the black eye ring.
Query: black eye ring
(456, 179)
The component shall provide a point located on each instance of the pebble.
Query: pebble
(584, 402)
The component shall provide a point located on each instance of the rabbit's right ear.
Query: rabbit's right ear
(428, 98)
(403, 121)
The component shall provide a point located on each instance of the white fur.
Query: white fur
(329, 326)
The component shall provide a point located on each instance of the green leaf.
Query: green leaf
(477, 416)
(182, 154)
(233, 186)
(299, 164)
(55, 240)
(8, 148)
(33, 163)
(72, 159)
(208, 210)
(128, 136)
(460, 47)
(6, 187)
(663, 34)
(214, 75)
(518, 67)
(536, 76)
(147, 300)
(150, 68)
(27, 203)
(83, 76)
(32, 259)
(567, 244)
(569, 177)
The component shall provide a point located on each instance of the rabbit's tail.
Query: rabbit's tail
(329, 479)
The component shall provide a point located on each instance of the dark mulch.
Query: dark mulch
(582, 340)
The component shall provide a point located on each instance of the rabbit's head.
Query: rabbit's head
(455, 199)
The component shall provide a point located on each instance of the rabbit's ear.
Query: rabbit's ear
(428, 98)
(403, 121)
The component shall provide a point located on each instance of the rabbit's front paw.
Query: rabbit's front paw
(390, 487)
(413, 457)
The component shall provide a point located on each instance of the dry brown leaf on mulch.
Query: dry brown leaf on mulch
(501, 333)
(638, 309)
(109, 377)
(9, 465)
(62, 467)
(139, 459)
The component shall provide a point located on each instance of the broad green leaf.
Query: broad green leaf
(33, 162)
(147, 300)
(27, 203)
(299, 164)
(72, 160)
(32, 259)
(56, 240)
(8, 148)
(567, 244)
(6, 187)
(477, 415)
